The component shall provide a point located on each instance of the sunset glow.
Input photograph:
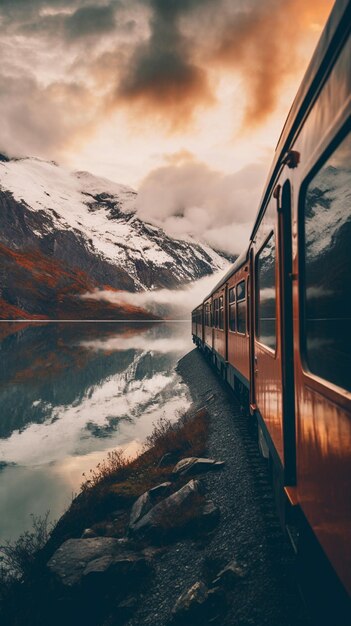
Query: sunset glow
(143, 92)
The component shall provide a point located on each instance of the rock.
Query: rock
(150, 552)
(88, 533)
(160, 490)
(229, 575)
(183, 508)
(190, 601)
(167, 459)
(199, 605)
(114, 570)
(210, 397)
(196, 465)
(146, 501)
(117, 514)
(126, 608)
(105, 558)
(142, 506)
(121, 612)
(209, 516)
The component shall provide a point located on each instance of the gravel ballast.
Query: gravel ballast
(248, 531)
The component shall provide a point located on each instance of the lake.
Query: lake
(69, 393)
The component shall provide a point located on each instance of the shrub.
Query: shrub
(18, 557)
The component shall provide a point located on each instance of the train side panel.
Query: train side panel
(208, 332)
(238, 327)
(267, 352)
(322, 314)
(219, 329)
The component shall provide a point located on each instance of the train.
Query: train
(277, 326)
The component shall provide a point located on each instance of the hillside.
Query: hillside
(64, 234)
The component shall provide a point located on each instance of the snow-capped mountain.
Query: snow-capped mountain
(78, 232)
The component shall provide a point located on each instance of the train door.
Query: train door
(251, 328)
(286, 331)
(226, 326)
(267, 366)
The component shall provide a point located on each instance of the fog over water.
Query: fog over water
(69, 393)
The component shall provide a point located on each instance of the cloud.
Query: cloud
(36, 115)
(181, 156)
(161, 75)
(153, 60)
(261, 41)
(193, 199)
(168, 303)
(90, 20)
(175, 71)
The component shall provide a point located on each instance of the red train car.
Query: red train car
(281, 317)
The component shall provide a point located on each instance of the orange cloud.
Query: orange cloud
(263, 45)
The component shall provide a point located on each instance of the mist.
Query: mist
(165, 303)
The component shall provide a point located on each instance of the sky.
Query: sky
(182, 99)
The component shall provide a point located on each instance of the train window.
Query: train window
(327, 269)
(266, 294)
(241, 307)
(220, 313)
(207, 316)
(231, 309)
(248, 305)
(216, 313)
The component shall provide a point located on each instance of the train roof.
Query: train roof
(233, 268)
(332, 38)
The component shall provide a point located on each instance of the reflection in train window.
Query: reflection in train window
(327, 224)
(220, 313)
(248, 305)
(231, 307)
(216, 313)
(241, 307)
(266, 295)
(207, 314)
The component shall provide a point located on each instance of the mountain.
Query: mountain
(64, 234)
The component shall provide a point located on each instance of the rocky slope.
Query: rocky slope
(64, 234)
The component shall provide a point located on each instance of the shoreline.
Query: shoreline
(242, 529)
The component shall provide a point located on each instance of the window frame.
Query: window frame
(232, 306)
(248, 306)
(221, 312)
(237, 302)
(271, 351)
(215, 320)
(330, 149)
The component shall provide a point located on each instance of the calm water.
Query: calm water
(69, 393)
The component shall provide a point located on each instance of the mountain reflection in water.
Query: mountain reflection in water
(69, 393)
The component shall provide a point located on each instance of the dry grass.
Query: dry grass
(186, 437)
(116, 463)
(131, 477)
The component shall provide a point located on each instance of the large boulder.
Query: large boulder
(186, 506)
(99, 559)
(146, 501)
(196, 465)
